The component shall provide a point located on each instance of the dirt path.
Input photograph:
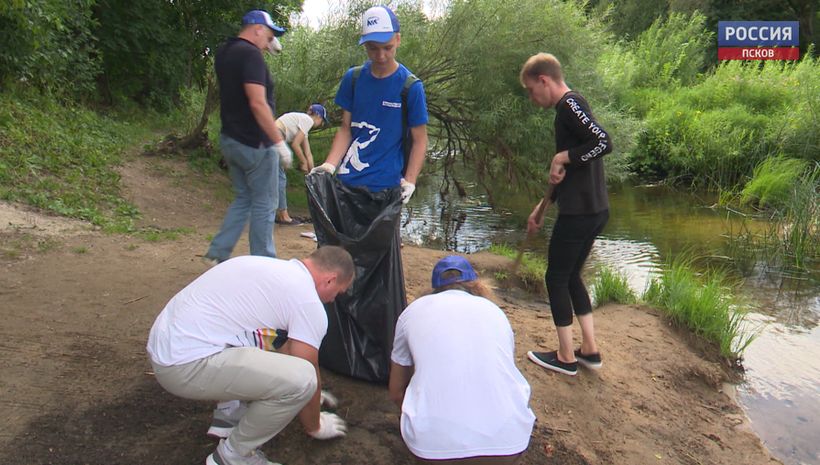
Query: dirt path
(76, 387)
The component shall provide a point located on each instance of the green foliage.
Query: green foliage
(469, 59)
(63, 158)
(153, 48)
(773, 180)
(790, 240)
(49, 44)
(703, 303)
(612, 286)
(668, 54)
(714, 133)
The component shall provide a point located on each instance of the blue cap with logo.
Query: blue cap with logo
(318, 109)
(379, 23)
(453, 263)
(262, 17)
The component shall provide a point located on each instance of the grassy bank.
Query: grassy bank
(704, 303)
(62, 157)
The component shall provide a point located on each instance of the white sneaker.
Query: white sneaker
(226, 417)
(223, 456)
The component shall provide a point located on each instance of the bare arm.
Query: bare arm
(417, 153)
(309, 416)
(399, 380)
(261, 111)
(297, 143)
(308, 153)
(341, 141)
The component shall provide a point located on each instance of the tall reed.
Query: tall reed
(612, 286)
(705, 304)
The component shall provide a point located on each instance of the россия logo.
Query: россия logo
(758, 40)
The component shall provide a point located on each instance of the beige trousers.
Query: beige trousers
(276, 387)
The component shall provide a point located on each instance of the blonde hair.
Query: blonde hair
(541, 64)
(474, 287)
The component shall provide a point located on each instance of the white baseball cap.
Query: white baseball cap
(379, 23)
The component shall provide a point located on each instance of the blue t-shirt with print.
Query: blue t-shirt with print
(374, 158)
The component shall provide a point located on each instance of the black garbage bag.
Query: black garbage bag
(361, 322)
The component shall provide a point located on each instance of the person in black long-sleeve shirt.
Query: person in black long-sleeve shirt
(577, 174)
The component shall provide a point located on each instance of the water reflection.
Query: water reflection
(782, 391)
(648, 225)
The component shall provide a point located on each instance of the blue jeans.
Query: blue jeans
(252, 171)
(283, 185)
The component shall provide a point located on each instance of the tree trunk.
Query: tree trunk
(198, 135)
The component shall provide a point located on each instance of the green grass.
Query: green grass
(704, 303)
(612, 286)
(80, 249)
(531, 270)
(790, 242)
(772, 182)
(63, 157)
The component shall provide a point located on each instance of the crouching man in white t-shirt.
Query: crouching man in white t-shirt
(453, 373)
(212, 342)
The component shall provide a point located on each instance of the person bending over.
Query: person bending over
(462, 399)
(212, 341)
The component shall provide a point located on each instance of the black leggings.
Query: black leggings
(570, 244)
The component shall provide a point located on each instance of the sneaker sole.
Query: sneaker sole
(586, 362)
(590, 365)
(538, 362)
(219, 432)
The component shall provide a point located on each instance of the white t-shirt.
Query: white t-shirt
(295, 122)
(466, 397)
(238, 303)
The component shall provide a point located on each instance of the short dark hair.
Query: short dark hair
(334, 258)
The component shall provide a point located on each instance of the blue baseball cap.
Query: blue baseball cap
(379, 23)
(262, 17)
(318, 109)
(453, 263)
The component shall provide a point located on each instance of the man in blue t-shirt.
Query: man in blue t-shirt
(367, 149)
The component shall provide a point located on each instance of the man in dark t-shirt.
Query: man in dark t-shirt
(577, 172)
(250, 142)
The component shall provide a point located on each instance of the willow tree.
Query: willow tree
(469, 58)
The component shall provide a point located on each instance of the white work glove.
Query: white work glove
(326, 167)
(285, 155)
(330, 426)
(407, 189)
(329, 400)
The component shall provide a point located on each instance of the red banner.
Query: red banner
(758, 53)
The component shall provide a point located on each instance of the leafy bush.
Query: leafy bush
(49, 44)
(715, 133)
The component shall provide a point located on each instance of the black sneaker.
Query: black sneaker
(549, 360)
(591, 361)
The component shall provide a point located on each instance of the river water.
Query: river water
(781, 391)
